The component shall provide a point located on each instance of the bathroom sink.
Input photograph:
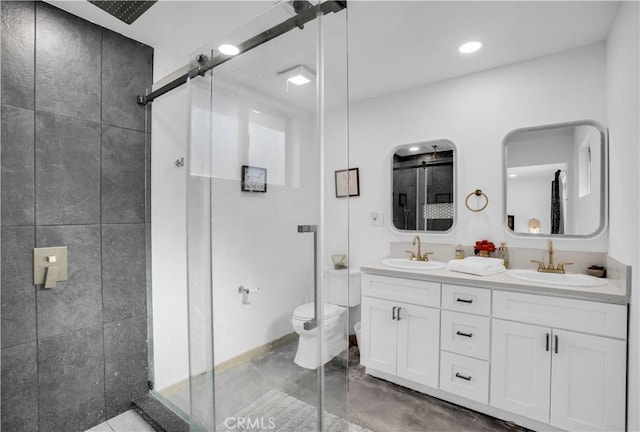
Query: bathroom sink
(566, 279)
(405, 263)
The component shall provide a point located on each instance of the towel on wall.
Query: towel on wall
(477, 266)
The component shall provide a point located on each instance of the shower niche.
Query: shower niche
(423, 186)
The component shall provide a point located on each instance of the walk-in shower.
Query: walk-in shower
(257, 171)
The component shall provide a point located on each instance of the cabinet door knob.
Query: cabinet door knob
(393, 313)
(461, 300)
(466, 378)
(556, 340)
(464, 334)
(399, 309)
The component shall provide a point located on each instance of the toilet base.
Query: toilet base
(307, 354)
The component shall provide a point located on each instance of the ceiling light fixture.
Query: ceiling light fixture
(298, 75)
(470, 47)
(228, 49)
(414, 149)
(513, 175)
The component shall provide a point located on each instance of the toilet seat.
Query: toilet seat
(306, 311)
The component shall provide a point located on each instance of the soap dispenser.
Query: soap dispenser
(503, 253)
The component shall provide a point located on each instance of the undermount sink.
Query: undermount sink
(566, 279)
(405, 263)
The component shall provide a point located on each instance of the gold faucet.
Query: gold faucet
(418, 256)
(550, 268)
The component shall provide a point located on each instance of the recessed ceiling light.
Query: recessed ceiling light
(414, 149)
(513, 175)
(469, 47)
(228, 49)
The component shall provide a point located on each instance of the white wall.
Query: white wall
(475, 112)
(623, 109)
(585, 220)
(531, 197)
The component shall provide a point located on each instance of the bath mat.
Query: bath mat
(277, 411)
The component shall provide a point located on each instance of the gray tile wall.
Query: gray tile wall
(73, 154)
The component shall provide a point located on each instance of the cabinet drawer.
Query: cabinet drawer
(580, 315)
(465, 334)
(401, 290)
(466, 299)
(464, 376)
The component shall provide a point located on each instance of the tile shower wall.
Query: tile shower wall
(73, 174)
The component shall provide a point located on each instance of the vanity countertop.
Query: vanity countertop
(615, 291)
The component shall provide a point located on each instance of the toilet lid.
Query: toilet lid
(306, 311)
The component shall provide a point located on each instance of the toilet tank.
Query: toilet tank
(344, 287)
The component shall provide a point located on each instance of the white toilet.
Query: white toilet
(343, 291)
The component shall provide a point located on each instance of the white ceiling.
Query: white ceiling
(392, 45)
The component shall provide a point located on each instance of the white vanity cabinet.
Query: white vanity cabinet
(544, 361)
(398, 337)
(561, 376)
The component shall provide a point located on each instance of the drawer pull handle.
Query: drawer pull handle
(556, 338)
(461, 300)
(399, 309)
(393, 313)
(547, 346)
(464, 334)
(466, 378)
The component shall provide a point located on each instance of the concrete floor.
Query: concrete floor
(371, 403)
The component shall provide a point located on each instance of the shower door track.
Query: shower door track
(305, 13)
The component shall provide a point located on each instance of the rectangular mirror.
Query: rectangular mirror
(423, 186)
(555, 179)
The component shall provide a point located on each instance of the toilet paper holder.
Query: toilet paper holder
(245, 293)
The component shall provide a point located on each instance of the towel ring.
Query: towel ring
(477, 192)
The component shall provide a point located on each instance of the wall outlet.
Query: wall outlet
(377, 219)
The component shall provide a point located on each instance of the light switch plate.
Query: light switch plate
(41, 262)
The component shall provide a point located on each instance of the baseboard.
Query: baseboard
(253, 353)
(183, 385)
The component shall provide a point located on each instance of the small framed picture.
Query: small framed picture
(347, 183)
(254, 179)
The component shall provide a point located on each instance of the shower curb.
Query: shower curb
(158, 416)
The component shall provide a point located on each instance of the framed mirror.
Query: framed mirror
(555, 180)
(423, 186)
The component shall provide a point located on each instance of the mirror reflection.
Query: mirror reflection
(555, 179)
(423, 176)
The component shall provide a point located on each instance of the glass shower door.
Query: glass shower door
(267, 346)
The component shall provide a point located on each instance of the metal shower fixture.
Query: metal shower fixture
(125, 11)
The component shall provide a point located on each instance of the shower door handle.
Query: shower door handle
(312, 323)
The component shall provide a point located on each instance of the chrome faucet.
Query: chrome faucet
(418, 256)
(550, 268)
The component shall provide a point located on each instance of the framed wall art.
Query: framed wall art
(254, 179)
(347, 183)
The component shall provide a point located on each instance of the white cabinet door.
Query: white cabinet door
(588, 382)
(379, 335)
(521, 369)
(418, 344)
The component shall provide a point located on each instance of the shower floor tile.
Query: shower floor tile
(126, 422)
